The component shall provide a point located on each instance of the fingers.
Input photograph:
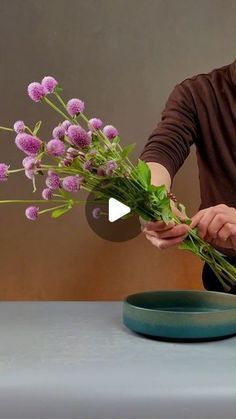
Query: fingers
(168, 238)
(158, 226)
(210, 220)
(217, 224)
(174, 232)
(165, 243)
(202, 220)
(228, 230)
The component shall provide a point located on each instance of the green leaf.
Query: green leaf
(127, 150)
(164, 203)
(159, 191)
(166, 215)
(58, 89)
(183, 210)
(37, 127)
(60, 211)
(144, 173)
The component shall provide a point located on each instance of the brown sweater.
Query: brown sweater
(201, 110)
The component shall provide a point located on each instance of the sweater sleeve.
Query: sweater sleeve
(169, 143)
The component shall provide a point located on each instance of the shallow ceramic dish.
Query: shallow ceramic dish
(181, 315)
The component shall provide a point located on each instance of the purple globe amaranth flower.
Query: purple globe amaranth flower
(111, 164)
(65, 124)
(32, 213)
(29, 163)
(55, 148)
(96, 213)
(93, 152)
(78, 136)
(90, 134)
(36, 91)
(72, 152)
(75, 107)
(101, 171)
(72, 183)
(47, 194)
(3, 172)
(28, 144)
(53, 181)
(29, 173)
(49, 84)
(19, 127)
(87, 165)
(95, 123)
(67, 161)
(110, 131)
(58, 132)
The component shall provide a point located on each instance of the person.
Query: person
(200, 110)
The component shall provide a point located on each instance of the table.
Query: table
(76, 360)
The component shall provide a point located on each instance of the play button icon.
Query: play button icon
(116, 210)
(116, 221)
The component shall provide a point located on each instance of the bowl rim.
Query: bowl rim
(203, 313)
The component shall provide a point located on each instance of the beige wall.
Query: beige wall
(122, 57)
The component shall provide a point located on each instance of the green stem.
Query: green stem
(28, 129)
(6, 129)
(55, 107)
(16, 171)
(23, 201)
(52, 209)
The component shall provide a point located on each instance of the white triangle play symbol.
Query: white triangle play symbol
(116, 209)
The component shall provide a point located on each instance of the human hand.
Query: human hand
(164, 235)
(217, 225)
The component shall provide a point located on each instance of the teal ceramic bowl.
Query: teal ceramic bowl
(181, 315)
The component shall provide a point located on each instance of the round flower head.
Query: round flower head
(28, 162)
(35, 91)
(49, 84)
(93, 152)
(65, 124)
(29, 173)
(90, 134)
(67, 161)
(88, 165)
(101, 171)
(96, 213)
(32, 213)
(3, 172)
(47, 194)
(95, 123)
(19, 127)
(58, 132)
(55, 148)
(78, 136)
(53, 181)
(111, 164)
(110, 131)
(71, 183)
(75, 106)
(28, 144)
(72, 152)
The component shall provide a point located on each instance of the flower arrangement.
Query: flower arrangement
(87, 155)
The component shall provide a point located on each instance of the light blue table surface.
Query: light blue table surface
(75, 360)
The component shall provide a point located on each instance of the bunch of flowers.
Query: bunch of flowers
(87, 155)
